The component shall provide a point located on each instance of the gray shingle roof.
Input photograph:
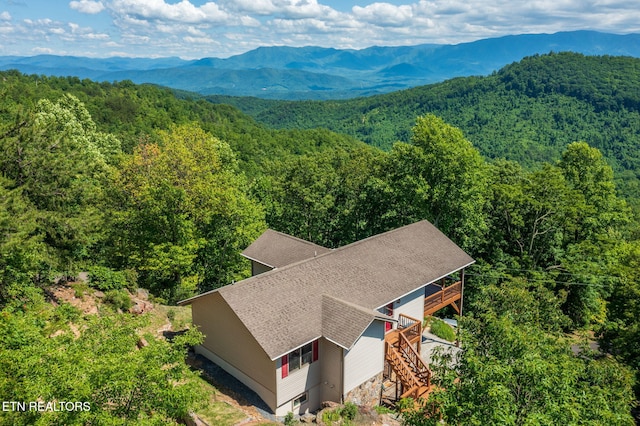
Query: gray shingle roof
(344, 322)
(275, 249)
(285, 309)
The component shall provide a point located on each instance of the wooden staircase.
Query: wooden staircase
(404, 359)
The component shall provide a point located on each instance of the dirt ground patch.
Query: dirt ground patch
(77, 294)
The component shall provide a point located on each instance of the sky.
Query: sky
(221, 28)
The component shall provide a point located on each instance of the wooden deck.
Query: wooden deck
(447, 296)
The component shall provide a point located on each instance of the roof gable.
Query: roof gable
(343, 322)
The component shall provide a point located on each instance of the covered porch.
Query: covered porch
(446, 291)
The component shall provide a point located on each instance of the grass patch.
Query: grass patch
(218, 412)
(159, 316)
(443, 330)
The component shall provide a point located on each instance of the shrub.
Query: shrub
(349, 411)
(331, 416)
(443, 330)
(104, 278)
(289, 419)
(79, 288)
(381, 409)
(119, 299)
(131, 278)
(67, 313)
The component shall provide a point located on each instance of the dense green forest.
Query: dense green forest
(528, 111)
(143, 189)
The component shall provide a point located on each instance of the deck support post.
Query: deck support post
(460, 307)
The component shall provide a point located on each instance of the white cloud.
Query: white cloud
(43, 50)
(197, 28)
(199, 40)
(184, 12)
(87, 6)
(384, 14)
(287, 9)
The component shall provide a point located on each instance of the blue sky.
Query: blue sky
(221, 28)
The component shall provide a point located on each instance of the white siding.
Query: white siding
(412, 305)
(366, 357)
(314, 401)
(296, 383)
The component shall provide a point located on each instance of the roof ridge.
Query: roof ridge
(293, 237)
(361, 308)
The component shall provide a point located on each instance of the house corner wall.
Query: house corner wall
(229, 344)
(364, 361)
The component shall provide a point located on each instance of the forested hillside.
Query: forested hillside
(528, 111)
(142, 189)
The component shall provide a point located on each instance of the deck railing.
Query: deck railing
(409, 381)
(410, 327)
(444, 296)
(413, 358)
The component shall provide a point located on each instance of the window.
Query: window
(300, 400)
(297, 358)
(300, 357)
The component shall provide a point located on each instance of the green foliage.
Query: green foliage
(381, 409)
(289, 419)
(67, 313)
(331, 416)
(439, 177)
(322, 197)
(104, 278)
(528, 112)
(621, 332)
(184, 214)
(22, 251)
(119, 299)
(443, 330)
(56, 160)
(336, 198)
(123, 384)
(513, 371)
(349, 411)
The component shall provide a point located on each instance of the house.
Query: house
(315, 324)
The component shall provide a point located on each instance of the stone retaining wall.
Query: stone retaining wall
(367, 393)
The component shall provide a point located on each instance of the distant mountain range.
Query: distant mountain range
(326, 73)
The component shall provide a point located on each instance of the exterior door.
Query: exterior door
(389, 311)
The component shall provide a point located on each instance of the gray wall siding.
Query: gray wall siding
(331, 358)
(229, 344)
(366, 357)
(258, 268)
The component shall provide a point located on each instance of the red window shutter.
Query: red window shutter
(285, 366)
(315, 351)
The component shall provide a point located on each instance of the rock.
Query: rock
(99, 294)
(307, 418)
(140, 307)
(330, 404)
(142, 342)
(142, 294)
